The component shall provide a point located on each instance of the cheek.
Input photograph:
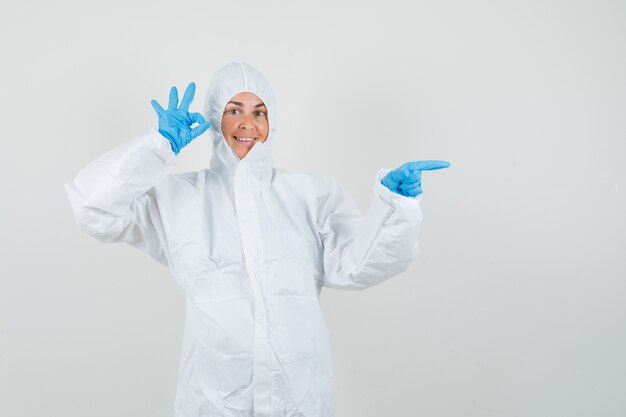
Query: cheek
(226, 129)
(264, 127)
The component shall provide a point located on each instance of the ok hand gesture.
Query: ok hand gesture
(175, 122)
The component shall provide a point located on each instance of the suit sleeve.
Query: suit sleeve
(114, 198)
(362, 251)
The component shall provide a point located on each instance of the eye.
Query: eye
(232, 111)
(261, 113)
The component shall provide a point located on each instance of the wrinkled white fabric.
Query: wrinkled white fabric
(250, 247)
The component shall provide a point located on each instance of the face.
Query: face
(244, 122)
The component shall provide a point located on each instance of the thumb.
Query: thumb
(198, 130)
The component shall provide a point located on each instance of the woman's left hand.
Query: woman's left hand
(406, 180)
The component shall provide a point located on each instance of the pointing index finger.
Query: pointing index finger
(429, 165)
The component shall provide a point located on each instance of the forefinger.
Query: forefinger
(429, 165)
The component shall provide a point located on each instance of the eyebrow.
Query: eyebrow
(241, 104)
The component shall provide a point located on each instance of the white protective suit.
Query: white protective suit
(250, 247)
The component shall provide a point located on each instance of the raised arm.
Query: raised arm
(115, 197)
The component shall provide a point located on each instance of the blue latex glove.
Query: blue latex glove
(406, 180)
(175, 123)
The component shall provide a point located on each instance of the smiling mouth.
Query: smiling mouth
(244, 140)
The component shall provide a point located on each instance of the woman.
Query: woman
(249, 245)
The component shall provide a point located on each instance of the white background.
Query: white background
(515, 305)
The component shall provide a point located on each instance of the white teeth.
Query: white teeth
(244, 139)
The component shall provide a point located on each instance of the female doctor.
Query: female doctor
(250, 246)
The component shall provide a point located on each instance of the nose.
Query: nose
(246, 122)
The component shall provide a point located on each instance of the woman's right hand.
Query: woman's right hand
(175, 122)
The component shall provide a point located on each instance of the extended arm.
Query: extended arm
(362, 251)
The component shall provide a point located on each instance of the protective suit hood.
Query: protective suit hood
(230, 80)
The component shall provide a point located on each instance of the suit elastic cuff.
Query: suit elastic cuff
(160, 145)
